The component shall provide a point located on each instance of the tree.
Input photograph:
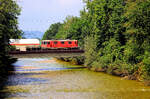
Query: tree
(52, 31)
(9, 11)
(71, 29)
(138, 36)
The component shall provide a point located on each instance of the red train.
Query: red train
(59, 44)
(30, 44)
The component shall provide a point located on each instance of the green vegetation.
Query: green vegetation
(52, 31)
(115, 35)
(9, 11)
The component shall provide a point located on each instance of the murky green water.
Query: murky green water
(51, 79)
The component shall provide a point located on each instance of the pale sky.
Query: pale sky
(37, 15)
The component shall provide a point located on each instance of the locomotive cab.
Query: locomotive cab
(45, 44)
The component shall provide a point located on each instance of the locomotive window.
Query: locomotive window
(69, 42)
(55, 42)
(62, 42)
(48, 42)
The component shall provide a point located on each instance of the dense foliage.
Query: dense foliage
(115, 35)
(9, 11)
(52, 31)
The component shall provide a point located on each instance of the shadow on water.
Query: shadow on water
(15, 79)
(4, 78)
(23, 79)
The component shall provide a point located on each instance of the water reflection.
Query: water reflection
(41, 65)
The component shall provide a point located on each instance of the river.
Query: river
(48, 78)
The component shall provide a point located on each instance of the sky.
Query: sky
(38, 15)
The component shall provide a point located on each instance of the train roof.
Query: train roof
(59, 40)
(24, 41)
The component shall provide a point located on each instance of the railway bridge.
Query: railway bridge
(46, 53)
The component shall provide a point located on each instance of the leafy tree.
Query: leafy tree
(52, 31)
(64, 30)
(139, 36)
(9, 11)
(106, 17)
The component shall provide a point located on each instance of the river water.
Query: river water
(47, 78)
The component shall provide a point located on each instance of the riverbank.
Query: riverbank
(77, 60)
(112, 71)
(124, 74)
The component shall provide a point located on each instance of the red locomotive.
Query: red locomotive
(57, 44)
